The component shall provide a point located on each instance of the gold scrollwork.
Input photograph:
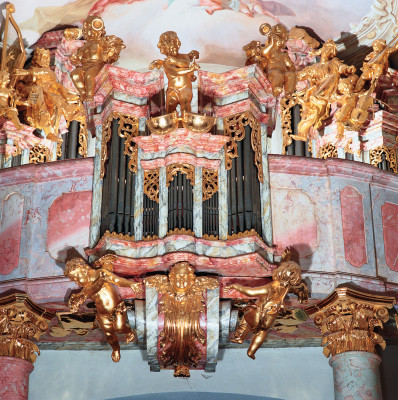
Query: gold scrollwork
(173, 169)
(60, 140)
(83, 136)
(114, 235)
(181, 231)
(209, 183)
(286, 121)
(327, 151)
(39, 154)
(234, 127)
(128, 129)
(376, 156)
(151, 184)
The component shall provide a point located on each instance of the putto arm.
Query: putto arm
(249, 291)
(117, 280)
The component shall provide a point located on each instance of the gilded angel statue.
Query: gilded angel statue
(182, 303)
(97, 284)
(260, 317)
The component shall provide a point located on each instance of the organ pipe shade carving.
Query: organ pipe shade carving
(209, 183)
(173, 169)
(327, 151)
(376, 157)
(151, 184)
(127, 128)
(39, 154)
(234, 127)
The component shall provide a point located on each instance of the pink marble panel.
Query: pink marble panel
(68, 224)
(10, 232)
(296, 224)
(353, 226)
(389, 213)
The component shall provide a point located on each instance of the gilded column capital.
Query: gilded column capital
(347, 319)
(21, 320)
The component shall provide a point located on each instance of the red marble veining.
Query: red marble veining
(331, 167)
(14, 378)
(203, 142)
(68, 222)
(10, 232)
(180, 158)
(250, 264)
(65, 169)
(353, 226)
(389, 213)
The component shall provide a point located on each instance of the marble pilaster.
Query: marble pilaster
(151, 321)
(222, 199)
(197, 203)
(163, 203)
(95, 223)
(213, 327)
(356, 376)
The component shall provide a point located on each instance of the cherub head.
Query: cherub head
(182, 277)
(93, 27)
(252, 50)
(169, 44)
(4, 78)
(288, 273)
(281, 32)
(347, 85)
(379, 45)
(41, 58)
(106, 262)
(77, 270)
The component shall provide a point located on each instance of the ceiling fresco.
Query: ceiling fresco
(218, 29)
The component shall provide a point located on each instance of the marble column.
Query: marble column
(356, 376)
(14, 378)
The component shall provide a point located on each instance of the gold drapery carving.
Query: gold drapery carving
(327, 151)
(39, 154)
(151, 184)
(20, 321)
(173, 169)
(347, 319)
(209, 183)
(234, 127)
(128, 129)
(376, 156)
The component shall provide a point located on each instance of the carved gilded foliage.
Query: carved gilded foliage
(39, 154)
(348, 318)
(286, 121)
(234, 127)
(376, 156)
(151, 184)
(173, 169)
(209, 183)
(128, 129)
(327, 151)
(21, 320)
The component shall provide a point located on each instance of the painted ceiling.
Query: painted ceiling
(217, 28)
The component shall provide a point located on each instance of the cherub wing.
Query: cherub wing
(203, 282)
(159, 282)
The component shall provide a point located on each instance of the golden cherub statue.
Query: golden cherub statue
(179, 69)
(182, 303)
(97, 285)
(275, 61)
(93, 55)
(260, 317)
(323, 78)
(8, 100)
(45, 99)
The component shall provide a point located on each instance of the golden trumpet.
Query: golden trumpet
(265, 29)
